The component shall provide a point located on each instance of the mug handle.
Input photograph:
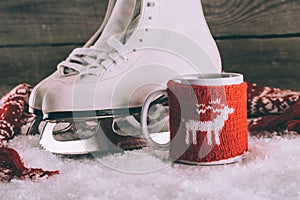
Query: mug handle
(144, 114)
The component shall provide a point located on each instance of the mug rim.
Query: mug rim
(210, 79)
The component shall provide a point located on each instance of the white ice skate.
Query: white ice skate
(117, 18)
(165, 39)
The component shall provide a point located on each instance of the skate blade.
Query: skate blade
(129, 126)
(158, 121)
(95, 143)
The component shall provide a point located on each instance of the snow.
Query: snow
(271, 170)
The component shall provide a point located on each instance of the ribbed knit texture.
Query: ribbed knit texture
(13, 115)
(202, 106)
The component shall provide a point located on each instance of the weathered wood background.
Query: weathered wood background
(260, 38)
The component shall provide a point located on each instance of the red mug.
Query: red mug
(207, 119)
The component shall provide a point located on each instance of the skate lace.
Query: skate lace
(78, 60)
(93, 60)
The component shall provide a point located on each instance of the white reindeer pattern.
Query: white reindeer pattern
(215, 125)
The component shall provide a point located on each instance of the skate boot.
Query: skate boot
(117, 18)
(165, 39)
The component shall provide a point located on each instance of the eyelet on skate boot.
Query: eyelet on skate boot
(151, 4)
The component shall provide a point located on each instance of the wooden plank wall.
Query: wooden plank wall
(260, 38)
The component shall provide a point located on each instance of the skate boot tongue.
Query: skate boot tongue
(134, 22)
(119, 21)
(82, 57)
(92, 61)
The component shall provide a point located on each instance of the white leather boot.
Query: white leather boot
(116, 20)
(165, 39)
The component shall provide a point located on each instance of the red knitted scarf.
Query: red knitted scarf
(273, 109)
(13, 115)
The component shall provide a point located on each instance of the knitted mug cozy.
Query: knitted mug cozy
(207, 123)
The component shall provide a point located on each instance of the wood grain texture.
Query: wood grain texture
(30, 64)
(32, 22)
(252, 17)
(272, 62)
(259, 38)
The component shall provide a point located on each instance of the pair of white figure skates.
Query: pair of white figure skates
(92, 101)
